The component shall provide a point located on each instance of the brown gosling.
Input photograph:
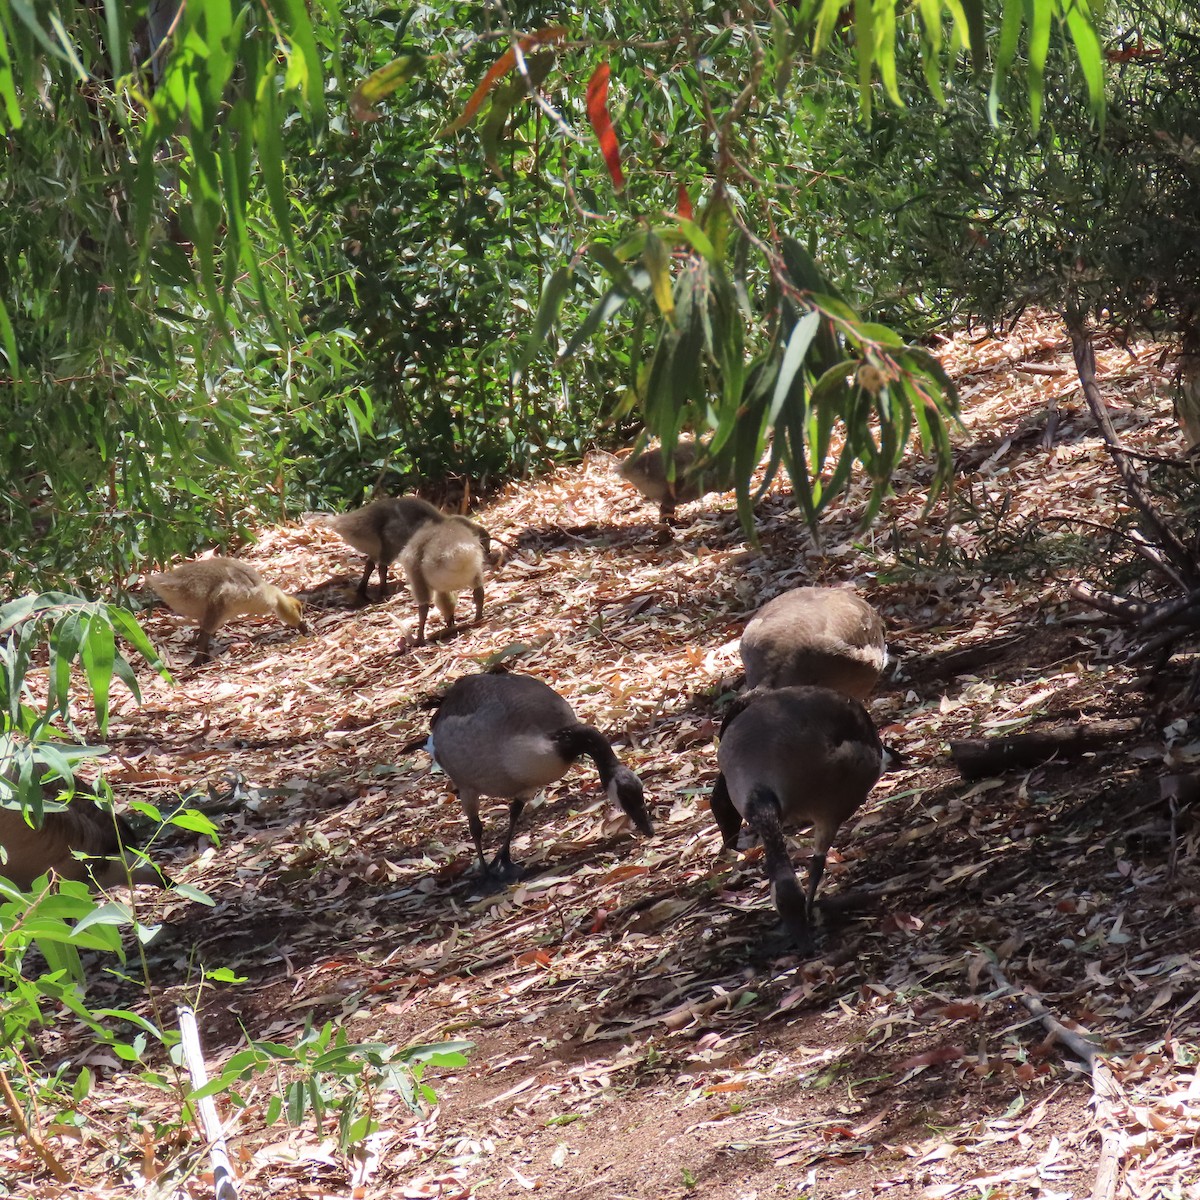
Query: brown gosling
(794, 756)
(445, 557)
(380, 530)
(826, 637)
(648, 473)
(212, 591)
(82, 827)
(510, 736)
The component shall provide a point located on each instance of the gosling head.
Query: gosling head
(291, 611)
(625, 789)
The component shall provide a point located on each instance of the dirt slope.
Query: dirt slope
(639, 1028)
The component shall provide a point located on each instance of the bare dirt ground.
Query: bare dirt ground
(640, 1029)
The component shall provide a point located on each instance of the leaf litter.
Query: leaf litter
(641, 1029)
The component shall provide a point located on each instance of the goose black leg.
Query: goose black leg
(728, 819)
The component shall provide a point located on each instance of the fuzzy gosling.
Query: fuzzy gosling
(826, 637)
(445, 557)
(212, 591)
(380, 530)
(511, 735)
(648, 473)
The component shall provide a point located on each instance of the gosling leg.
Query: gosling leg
(361, 592)
(422, 615)
(446, 603)
(203, 648)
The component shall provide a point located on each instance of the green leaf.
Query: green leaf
(106, 914)
(1091, 57)
(64, 646)
(194, 821)
(1010, 31)
(600, 312)
(658, 263)
(97, 655)
(188, 892)
(864, 47)
(118, 36)
(1039, 45)
(695, 237)
(381, 83)
(492, 129)
(552, 298)
(803, 333)
(433, 1053)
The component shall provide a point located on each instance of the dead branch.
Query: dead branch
(1160, 614)
(1163, 641)
(978, 757)
(1085, 363)
(1121, 607)
(1082, 1047)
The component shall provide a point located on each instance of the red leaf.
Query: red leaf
(597, 111)
(684, 203)
(498, 70)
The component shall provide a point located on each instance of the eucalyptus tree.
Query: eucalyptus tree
(195, 239)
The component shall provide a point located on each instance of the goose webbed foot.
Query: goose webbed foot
(499, 874)
(793, 906)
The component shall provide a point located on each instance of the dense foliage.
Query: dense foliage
(222, 291)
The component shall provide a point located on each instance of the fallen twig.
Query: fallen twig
(1105, 1089)
(223, 1185)
(1175, 560)
(32, 1136)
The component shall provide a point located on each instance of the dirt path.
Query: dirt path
(639, 1030)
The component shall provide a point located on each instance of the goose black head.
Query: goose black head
(625, 789)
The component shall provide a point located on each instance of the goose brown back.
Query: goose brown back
(823, 637)
(791, 756)
(81, 827)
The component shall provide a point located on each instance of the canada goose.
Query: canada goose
(798, 755)
(211, 591)
(511, 735)
(380, 530)
(648, 473)
(445, 557)
(83, 827)
(826, 637)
